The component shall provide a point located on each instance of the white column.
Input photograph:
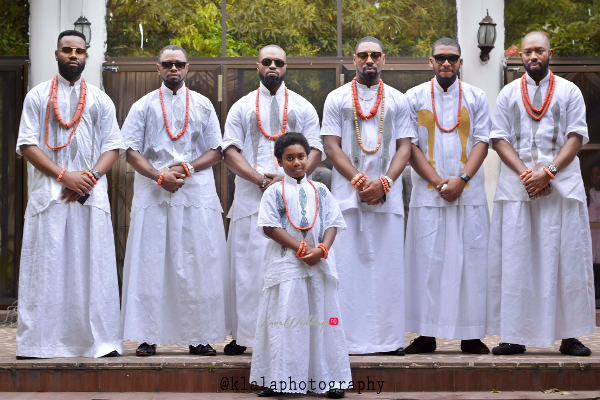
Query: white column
(50, 17)
(486, 76)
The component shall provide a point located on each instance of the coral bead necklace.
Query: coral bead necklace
(459, 107)
(285, 109)
(53, 97)
(356, 110)
(527, 103)
(288, 213)
(187, 113)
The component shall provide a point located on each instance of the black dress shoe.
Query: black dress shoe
(113, 353)
(337, 393)
(575, 348)
(267, 392)
(26, 358)
(506, 349)
(146, 349)
(202, 350)
(398, 352)
(474, 346)
(422, 344)
(234, 349)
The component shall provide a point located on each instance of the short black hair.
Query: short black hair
(290, 139)
(446, 41)
(70, 32)
(368, 39)
(172, 47)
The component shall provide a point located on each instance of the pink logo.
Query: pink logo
(333, 321)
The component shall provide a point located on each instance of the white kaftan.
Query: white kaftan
(540, 279)
(172, 283)
(370, 252)
(294, 338)
(446, 243)
(68, 288)
(245, 247)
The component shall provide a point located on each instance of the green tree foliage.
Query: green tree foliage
(572, 25)
(303, 28)
(14, 17)
(405, 27)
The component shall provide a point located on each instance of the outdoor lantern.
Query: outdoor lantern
(486, 37)
(83, 25)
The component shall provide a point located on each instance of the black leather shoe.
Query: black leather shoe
(234, 349)
(398, 352)
(268, 393)
(113, 353)
(575, 348)
(26, 358)
(506, 349)
(422, 344)
(146, 349)
(202, 350)
(474, 346)
(337, 393)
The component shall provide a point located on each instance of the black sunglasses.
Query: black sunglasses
(452, 58)
(267, 62)
(363, 55)
(69, 50)
(169, 64)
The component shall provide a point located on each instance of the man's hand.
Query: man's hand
(536, 182)
(453, 190)
(271, 179)
(77, 181)
(69, 195)
(371, 192)
(172, 181)
(312, 255)
(179, 169)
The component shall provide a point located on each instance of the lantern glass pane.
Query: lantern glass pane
(490, 36)
(481, 35)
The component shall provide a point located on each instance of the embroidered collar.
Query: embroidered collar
(67, 83)
(168, 92)
(543, 82)
(280, 92)
(292, 181)
(440, 89)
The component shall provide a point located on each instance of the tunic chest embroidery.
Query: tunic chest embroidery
(322, 195)
(355, 150)
(282, 216)
(556, 116)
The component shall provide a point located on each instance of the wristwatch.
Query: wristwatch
(97, 174)
(553, 169)
(465, 177)
(389, 181)
(264, 183)
(190, 168)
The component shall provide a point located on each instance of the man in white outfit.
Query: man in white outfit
(540, 286)
(253, 124)
(448, 223)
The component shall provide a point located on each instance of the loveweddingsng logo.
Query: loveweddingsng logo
(292, 322)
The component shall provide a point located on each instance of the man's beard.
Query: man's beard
(171, 84)
(271, 81)
(539, 73)
(443, 81)
(370, 76)
(70, 72)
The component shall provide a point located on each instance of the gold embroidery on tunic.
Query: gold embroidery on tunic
(463, 133)
(425, 119)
